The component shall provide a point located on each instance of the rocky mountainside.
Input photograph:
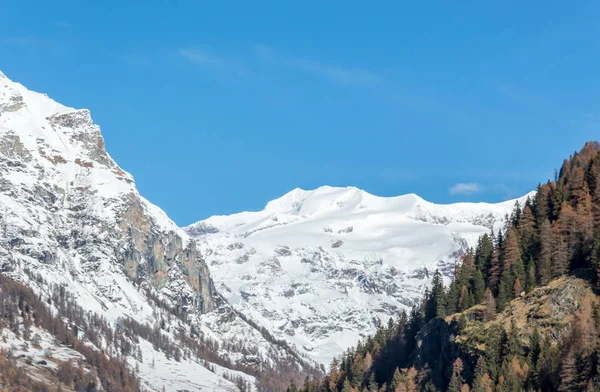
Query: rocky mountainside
(323, 268)
(72, 218)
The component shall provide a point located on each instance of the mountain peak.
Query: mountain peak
(342, 248)
(69, 214)
(320, 200)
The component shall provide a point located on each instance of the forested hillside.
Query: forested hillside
(521, 313)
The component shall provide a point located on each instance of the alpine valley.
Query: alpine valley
(100, 289)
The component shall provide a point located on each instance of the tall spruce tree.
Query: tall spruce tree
(544, 267)
(457, 380)
(478, 287)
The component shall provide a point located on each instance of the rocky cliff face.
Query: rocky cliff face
(66, 202)
(70, 215)
(551, 308)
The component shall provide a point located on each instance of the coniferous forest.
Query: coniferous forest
(521, 312)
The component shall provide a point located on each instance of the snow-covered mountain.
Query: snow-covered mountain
(262, 291)
(69, 214)
(322, 268)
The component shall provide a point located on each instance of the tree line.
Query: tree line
(555, 233)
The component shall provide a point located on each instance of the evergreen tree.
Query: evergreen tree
(480, 382)
(531, 276)
(526, 231)
(505, 291)
(594, 259)
(465, 300)
(512, 345)
(478, 287)
(515, 216)
(510, 250)
(493, 278)
(560, 245)
(593, 180)
(396, 381)
(347, 387)
(541, 204)
(483, 253)
(456, 381)
(373, 387)
(544, 270)
(436, 304)
(517, 288)
(490, 305)
(518, 270)
(535, 351)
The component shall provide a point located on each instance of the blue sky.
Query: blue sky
(218, 107)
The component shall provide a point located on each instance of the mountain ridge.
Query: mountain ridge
(327, 253)
(70, 217)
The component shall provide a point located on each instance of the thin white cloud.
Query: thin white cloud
(338, 74)
(465, 188)
(205, 59)
(473, 188)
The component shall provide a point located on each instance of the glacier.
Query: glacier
(323, 268)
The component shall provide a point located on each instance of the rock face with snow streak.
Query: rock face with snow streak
(322, 268)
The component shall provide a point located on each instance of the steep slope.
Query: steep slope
(70, 216)
(323, 268)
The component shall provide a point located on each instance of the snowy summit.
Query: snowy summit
(322, 268)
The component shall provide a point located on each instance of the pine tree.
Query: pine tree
(456, 381)
(593, 181)
(465, 301)
(557, 199)
(577, 186)
(436, 303)
(560, 247)
(478, 287)
(505, 291)
(346, 386)
(530, 279)
(541, 204)
(594, 259)
(490, 305)
(544, 270)
(480, 372)
(512, 346)
(515, 216)
(568, 373)
(518, 270)
(396, 381)
(483, 253)
(526, 231)
(334, 375)
(517, 288)
(535, 351)
(373, 387)
(494, 272)
(511, 251)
